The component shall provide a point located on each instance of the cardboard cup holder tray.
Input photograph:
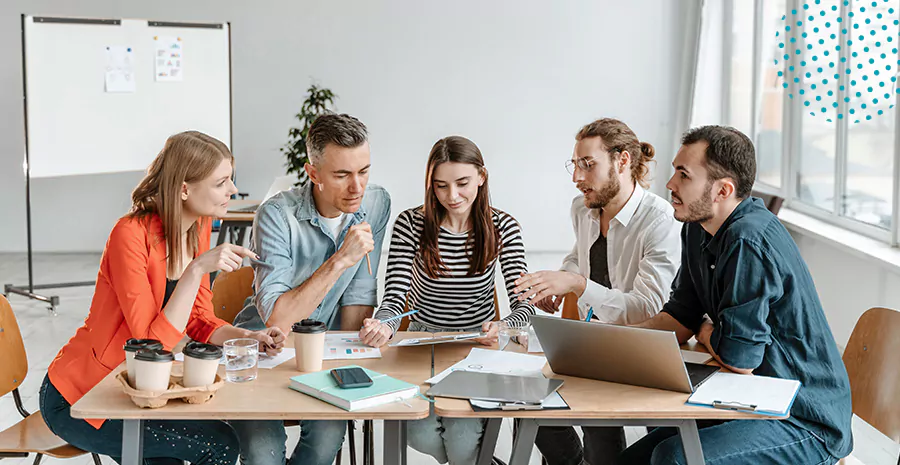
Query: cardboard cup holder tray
(157, 399)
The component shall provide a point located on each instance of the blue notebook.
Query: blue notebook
(383, 390)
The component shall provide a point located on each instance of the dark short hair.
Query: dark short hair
(730, 154)
(331, 128)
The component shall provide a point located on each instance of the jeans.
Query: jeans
(734, 442)
(166, 442)
(263, 442)
(453, 440)
(560, 445)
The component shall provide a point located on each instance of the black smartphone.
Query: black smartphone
(349, 378)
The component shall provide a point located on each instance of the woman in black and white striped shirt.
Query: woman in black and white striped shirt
(443, 259)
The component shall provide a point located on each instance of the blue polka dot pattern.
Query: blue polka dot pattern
(874, 25)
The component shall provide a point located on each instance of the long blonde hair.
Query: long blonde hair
(188, 156)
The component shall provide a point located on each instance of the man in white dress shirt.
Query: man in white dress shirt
(626, 254)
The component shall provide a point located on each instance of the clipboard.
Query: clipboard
(423, 341)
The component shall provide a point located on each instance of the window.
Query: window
(818, 81)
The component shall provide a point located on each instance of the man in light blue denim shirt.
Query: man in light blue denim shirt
(313, 244)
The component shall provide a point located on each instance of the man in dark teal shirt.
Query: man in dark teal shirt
(741, 269)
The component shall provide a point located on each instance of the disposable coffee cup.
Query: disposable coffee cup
(152, 368)
(201, 362)
(134, 345)
(309, 344)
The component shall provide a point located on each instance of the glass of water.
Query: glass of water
(241, 357)
(510, 331)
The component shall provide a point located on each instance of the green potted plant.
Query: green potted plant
(318, 101)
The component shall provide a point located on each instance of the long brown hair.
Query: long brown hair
(484, 239)
(187, 157)
(617, 137)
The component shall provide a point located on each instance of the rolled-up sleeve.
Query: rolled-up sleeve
(363, 288)
(275, 267)
(751, 282)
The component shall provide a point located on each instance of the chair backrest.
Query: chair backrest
(230, 290)
(874, 369)
(773, 202)
(15, 364)
(404, 323)
(570, 307)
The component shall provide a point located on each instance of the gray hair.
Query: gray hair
(331, 128)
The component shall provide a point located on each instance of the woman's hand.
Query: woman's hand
(271, 340)
(226, 257)
(375, 333)
(492, 328)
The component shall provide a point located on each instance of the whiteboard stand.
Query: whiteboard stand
(209, 90)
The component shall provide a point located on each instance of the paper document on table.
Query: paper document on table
(497, 362)
(553, 401)
(265, 361)
(757, 394)
(347, 347)
(699, 358)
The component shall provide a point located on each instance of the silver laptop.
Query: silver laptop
(281, 183)
(619, 354)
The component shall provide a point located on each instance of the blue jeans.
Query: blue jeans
(738, 442)
(453, 440)
(166, 442)
(263, 442)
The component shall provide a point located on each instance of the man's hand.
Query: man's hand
(357, 243)
(704, 333)
(550, 304)
(375, 333)
(271, 340)
(543, 284)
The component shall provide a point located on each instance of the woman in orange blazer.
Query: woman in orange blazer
(153, 287)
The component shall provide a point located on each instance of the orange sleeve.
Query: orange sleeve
(203, 321)
(128, 257)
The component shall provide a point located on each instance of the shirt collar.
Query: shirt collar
(628, 210)
(306, 210)
(746, 206)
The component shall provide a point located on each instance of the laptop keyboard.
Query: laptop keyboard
(699, 373)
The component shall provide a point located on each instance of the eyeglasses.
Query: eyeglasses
(583, 164)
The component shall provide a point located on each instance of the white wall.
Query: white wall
(517, 77)
(847, 285)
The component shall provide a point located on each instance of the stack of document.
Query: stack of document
(756, 394)
(497, 362)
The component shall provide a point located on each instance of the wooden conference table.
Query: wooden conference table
(591, 402)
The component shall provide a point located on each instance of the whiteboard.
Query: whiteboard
(74, 126)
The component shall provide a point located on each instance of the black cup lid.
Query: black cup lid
(202, 351)
(309, 327)
(154, 355)
(134, 345)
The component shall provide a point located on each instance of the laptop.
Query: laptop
(619, 354)
(281, 183)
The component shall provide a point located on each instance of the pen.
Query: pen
(590, 314)
(397, 317)
(369, 264)
(734, 406)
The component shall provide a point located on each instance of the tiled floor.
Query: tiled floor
(45, 333)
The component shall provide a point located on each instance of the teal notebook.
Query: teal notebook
(383, 390)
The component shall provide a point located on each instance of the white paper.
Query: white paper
(497, 362)
(691, 356)
(119, 76)
(552, 401)
(347, 347)
(769, 395)
(168, 58)
(265, 361)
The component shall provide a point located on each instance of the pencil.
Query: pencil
(369, 264)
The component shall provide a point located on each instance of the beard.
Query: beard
(602, 197)
(700, 210)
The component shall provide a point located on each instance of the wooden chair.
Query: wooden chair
(570, 307)
(31, 435)
(773, 202)
(874, 370)
(230, 290)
